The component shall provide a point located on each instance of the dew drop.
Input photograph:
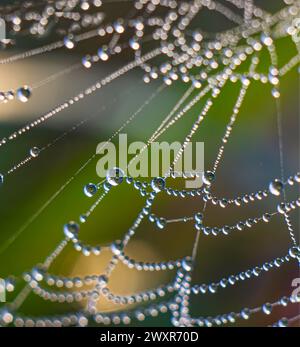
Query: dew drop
(275, 93)
(294, 252)
(276, 187)
(10, 95)
(161, 223)
(187, 264)
(34, 152)
(284, 301)
(208, 177)
(158, 184)
(267, 308)
(90, 189)
(198, 217)
(71, 230)
(23, 94)
(283, 323)
(116, 248)
(266, 217)
(69, 42)
(102, 54)
(245, 313)
(83, 218)
(86, 62)
(115, 176)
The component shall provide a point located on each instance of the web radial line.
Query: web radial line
(89, 91)
(282, 171)
(182, 113)
(32, 52)
(166, 122)
(225, 11)
(69, 131)
(248, 11)
(230, 125)
(294, 319)
(81, 168)
(11, 240)
(56, 75)
(22, 296)
(176, 107)
(188, 138)
(274, 60)
(288, 66)
(226, 136)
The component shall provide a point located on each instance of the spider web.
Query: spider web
(167, 47)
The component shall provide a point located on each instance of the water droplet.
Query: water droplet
(198, 226)
(102, 54)
(223, 203)
(266, 217)
(198, 217)
(37, 274)
(224, 282)
(256, 271)
(10, 95)
(1, 179)
(116, 247)
(275, 93)
(226, 230)
(83, 218)
(115, 176)
(297, 177)
(284, 301)
(106, 186)
(267, 308)
(6, 316)
(276, 187)
(161, 223)
(90, 189)
(102, 280)
(213, 288)
(119, 28)
(203, 288)
(71, 230)
(134, 44)
(86, 62)
(294, 252)
(152, 217)
(158, 184)
(231, 317)
(34, 152)
(208, 177)
(23, 94)
(245, 313)
(69, 42)
(187, 264)
(283, 323)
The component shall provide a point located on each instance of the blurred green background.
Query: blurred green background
(251, 160)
